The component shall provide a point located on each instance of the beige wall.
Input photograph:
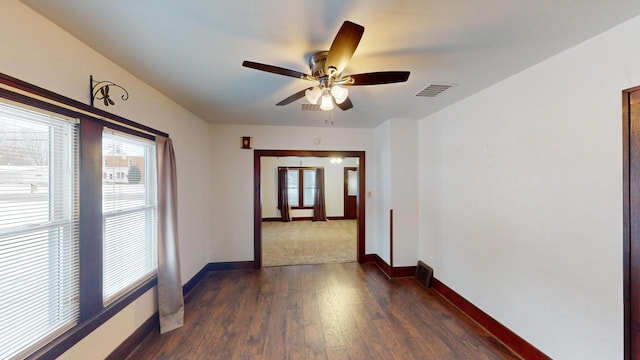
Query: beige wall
(232, 178)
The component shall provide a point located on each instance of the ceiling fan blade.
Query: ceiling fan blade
(346, 105)
(294, 97)
(275, 70)
(376, 78)
(343, 46)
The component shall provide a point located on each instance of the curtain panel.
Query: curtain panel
(170, 299)
(319, 208)
(283, 196)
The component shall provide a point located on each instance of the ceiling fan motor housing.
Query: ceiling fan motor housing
(316, 63)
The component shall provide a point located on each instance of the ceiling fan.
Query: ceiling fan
(326, 69)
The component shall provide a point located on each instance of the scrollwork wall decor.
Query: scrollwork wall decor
(99, 90)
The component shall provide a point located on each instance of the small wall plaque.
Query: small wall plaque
(247, 142)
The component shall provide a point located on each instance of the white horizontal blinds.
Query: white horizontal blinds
(38, 229)
(129, 212)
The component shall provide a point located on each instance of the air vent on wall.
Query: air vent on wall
(310, 107)
(424, 274)
(433, 90)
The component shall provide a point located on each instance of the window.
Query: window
(301, 186)
(77, 238)
(129, 212)
(293, 186)
(38, 229)
(309, 186)
(40, 190)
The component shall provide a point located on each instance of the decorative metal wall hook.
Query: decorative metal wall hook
(99, 90)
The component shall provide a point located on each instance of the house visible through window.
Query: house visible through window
(129, 212)
(301, 187)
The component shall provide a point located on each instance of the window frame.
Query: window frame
(91, 123)
(301, 170)
(91, 223)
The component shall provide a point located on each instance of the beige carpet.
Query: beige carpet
(307, 242)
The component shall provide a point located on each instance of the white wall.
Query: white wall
(404, 190)
(269, 186)
(232, 178)
(37, 51)
(521, 197)
(397, 174)
(333, 183)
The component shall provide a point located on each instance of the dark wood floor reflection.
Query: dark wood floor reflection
(332, 311)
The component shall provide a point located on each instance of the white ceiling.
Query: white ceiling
(192, 51)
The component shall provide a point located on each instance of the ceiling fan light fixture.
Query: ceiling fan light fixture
(313, 94)
(339, 93)
(327, 72)
(326, 103)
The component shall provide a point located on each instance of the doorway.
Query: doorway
(360, 200)
(350, 192)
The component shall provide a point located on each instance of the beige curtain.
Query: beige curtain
(170, 300)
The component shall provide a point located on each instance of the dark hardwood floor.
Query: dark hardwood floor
(331, 311)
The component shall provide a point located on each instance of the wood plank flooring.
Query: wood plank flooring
(330, 311)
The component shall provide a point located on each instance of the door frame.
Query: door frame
(631, 228)
(257, 205)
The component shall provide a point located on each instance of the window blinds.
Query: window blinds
(38, 228)
(129, 212)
